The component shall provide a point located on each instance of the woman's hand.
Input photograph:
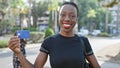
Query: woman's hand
(14, 44)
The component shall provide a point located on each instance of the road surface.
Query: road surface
(33, 49)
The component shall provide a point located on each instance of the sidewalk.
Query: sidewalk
(109, 57)
(106, 57)
(104, 62)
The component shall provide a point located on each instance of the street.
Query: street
(33, 49)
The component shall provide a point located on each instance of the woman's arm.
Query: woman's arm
(14, 45)
(89, 53)
(24, 62)
(92, 60)
(40, 60)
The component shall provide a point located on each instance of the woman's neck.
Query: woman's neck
(67, 34)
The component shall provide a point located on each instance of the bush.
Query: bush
(3, 43)
(15, 28)
(104, 34)
(49, 32)
(31, 29)
(36, 37)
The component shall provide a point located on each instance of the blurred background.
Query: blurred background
(97, 18)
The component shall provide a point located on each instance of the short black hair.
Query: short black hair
(71, 3)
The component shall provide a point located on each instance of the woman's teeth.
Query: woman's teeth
(66, 25)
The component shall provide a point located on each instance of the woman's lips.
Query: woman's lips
(67, 26)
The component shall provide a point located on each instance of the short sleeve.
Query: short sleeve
(87, 47)
(44, 46)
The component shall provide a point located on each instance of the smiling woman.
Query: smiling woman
(65, 48)
(67, 18)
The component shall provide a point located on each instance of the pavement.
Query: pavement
(103, 63)
(111, 48)
(109, 57)
(99, 52)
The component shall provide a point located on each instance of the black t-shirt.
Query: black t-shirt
(66, 52)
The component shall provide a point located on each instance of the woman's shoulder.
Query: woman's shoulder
(81, 36)
(51, 37)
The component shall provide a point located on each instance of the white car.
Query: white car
(83, 32)
(96, 32)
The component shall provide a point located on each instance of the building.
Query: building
(115, 10)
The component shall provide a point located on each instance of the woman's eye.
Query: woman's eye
(62, 15)
(72, 16)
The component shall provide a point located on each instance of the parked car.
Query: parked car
(83, 32)
(96, 32)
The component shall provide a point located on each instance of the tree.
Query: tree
(13, 9)
(53, 9)
(38, 10)
(109, 3)
(91, 14)
(18, 9)
(84, 6)
(100, 19)
(3, 7)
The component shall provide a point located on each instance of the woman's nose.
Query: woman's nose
(67, 18)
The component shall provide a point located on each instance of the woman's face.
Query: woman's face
(67, 18)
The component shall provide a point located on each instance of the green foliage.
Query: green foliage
(15, 28)
(111, 3)
(16, 3)
(4, 26)
(53, 5)
(104, 34)
(49, 32)
(32, 29)
(3, 5)
(110, 18)
(36, 37)
(0, 1)
(101, 17)
(84, 11)
(38, 10)
(84, 6)
(50, 20)
(91, 13)
(3, 43)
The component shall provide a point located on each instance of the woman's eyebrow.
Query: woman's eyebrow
(72, 12)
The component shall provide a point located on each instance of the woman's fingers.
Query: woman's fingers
(14, 44)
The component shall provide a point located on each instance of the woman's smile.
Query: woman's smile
(66, 25)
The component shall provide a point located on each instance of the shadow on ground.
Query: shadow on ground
(110, 55)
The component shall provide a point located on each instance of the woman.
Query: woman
(65, 49)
